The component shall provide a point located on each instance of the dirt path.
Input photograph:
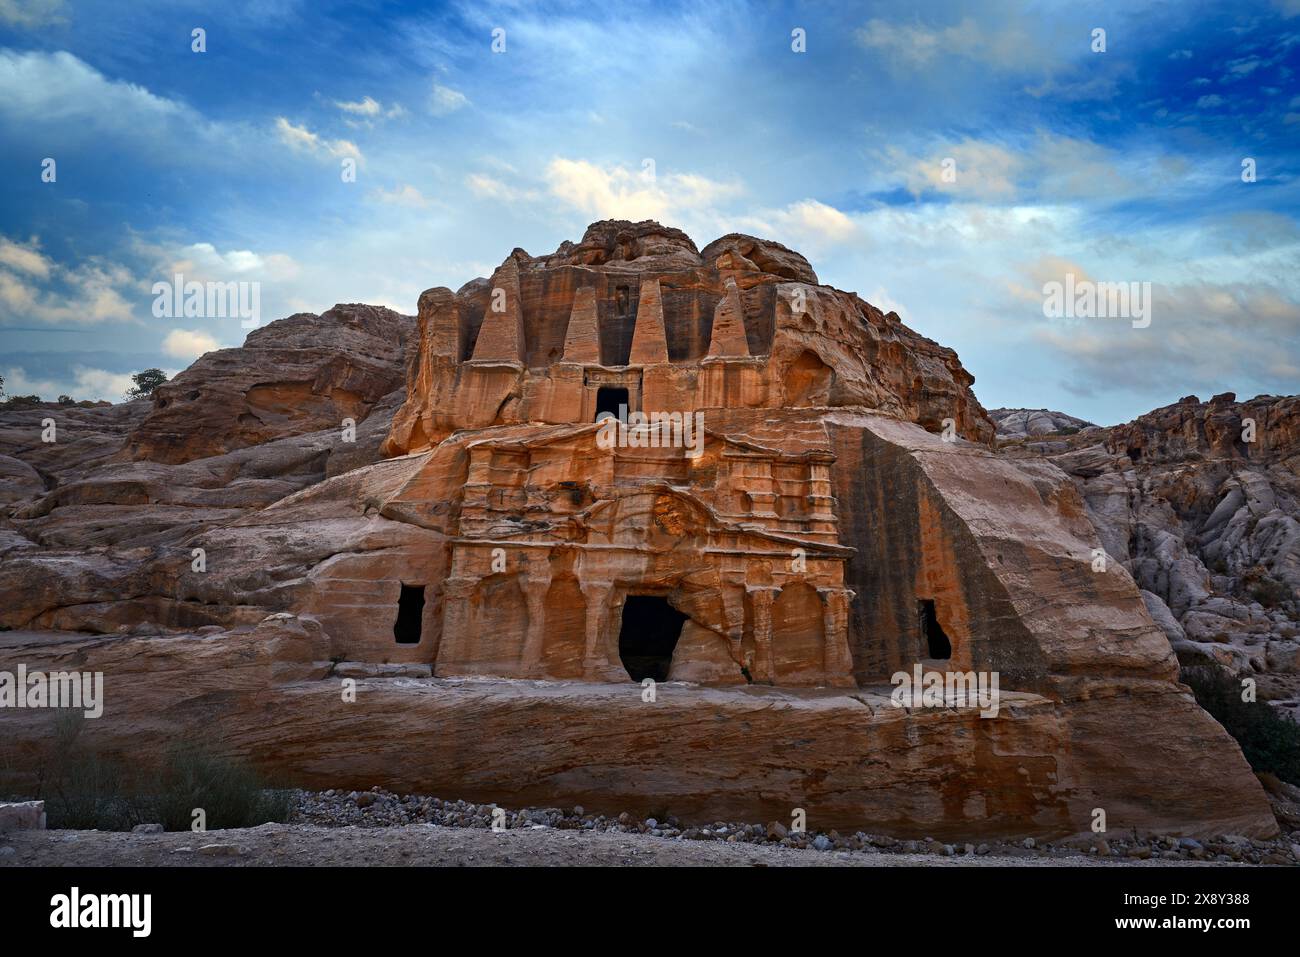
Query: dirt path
(299, 845)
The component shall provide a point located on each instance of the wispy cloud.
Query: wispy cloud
(27, 14)
(444, 100)
(301, 138)
(33, 287)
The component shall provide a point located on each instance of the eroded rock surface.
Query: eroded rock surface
(499, 565)
(1019, 423)
(300, 374)
(1200, 501)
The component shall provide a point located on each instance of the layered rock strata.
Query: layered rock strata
(627, 460)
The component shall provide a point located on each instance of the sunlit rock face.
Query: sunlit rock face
(628, 460)
(634, 306)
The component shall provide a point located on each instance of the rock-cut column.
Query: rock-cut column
(835, 619)
(760, 599)
(455, 651)
(501, 338)
(536, 583)
(596, 665)
(728, 337)
(582, 338)
(649, 341)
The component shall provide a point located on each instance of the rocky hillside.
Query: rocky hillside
(1019, 423)
(98, 524)
(1201, 502)
(257, 525)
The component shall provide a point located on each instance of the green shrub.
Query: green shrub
(84, 788)
(231, 793)
(1269, 740)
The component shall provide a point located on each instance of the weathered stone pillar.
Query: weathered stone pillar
(821, 503)
(733, 613)
(649, 343)
(835, 625)
(501, 337)
(760, 601)
(728, 335)
(455, 649)
(535, 583)
(582, 338)
(595, 663)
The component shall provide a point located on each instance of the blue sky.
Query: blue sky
(1123, 165)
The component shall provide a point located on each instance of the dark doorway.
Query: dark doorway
(936, 642)
(649, 634)
(410, 612)
(608, 399)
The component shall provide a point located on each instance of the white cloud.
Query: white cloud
(31, 13)
(35, 288)
(85, 383)
(814, 223)
(366, 106)
(60, 91)
(24, 258)
(301, 138)
(970, 168)
(489, 187)
(369, 109)
(444, 100)
(1205, 336)
(188, 344)
(205, 258)
(100, 384)
(615, 192)
(1005, 46)
(405, 195)
(1063, 168)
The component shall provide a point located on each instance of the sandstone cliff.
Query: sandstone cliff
(1200, 501)
(497, 578)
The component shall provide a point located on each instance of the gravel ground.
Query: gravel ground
(377, 827)
(434, 845)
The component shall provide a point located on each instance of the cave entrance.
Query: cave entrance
(410, 612)
(648, 636)
(609, 399)
(933, 639)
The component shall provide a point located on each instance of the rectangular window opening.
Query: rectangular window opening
(410, 615)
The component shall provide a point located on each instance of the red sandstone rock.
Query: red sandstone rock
(296, 375)
(793, 343)
(792, 538)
